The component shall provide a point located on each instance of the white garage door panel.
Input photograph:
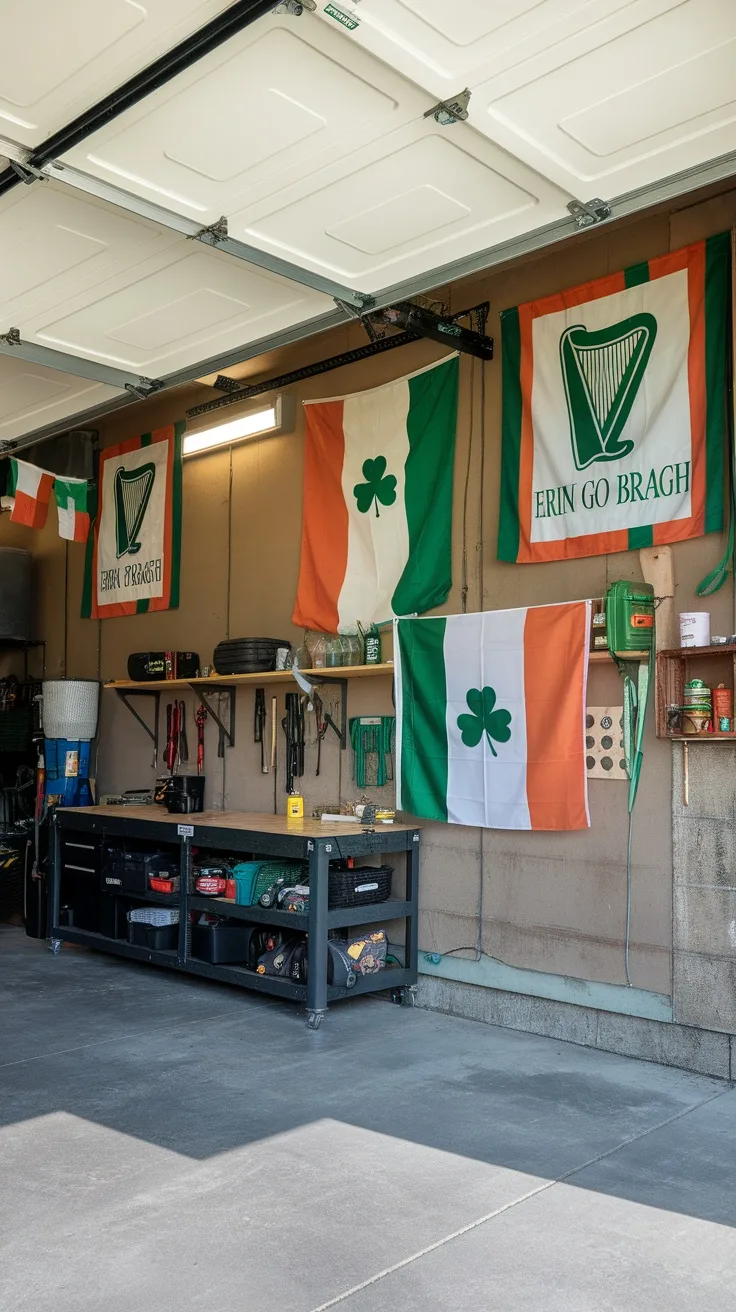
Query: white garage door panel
(176, 310)
(447, 46)
(58, 57)
(31, 397)
(55, 243)
(652, 102)
(433, 198)
(266, 109)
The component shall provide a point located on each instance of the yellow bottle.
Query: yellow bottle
(295, 807)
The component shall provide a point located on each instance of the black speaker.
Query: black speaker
(145, 666)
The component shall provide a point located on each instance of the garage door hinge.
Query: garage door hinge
(11, 337)
(144, 388)
(295, 7)
(452, 110)
(216, 231)
(588, 212)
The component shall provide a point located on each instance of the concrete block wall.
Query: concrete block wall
(704, 895)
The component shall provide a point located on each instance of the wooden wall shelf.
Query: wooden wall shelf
(225, 681)
(673, 672)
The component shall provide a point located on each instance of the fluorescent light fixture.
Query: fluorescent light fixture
(256, 423)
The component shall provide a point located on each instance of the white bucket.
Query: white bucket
(70, 708)
(695, 628)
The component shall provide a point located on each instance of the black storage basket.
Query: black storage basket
(359, 887)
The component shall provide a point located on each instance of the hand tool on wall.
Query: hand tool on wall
(259, 726)
(172, 736)
(273, 737)
(183, 746)
(200, 716)
(293, 726)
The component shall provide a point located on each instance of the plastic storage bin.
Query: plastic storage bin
(221, 943)
(160, 938)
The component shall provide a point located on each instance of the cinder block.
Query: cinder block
(672, 1045)
(704, 920)
(703, 851)
(704, 991)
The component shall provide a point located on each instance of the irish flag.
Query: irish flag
(31, 489)
(377, 521)
(490, 717)
(72, 504)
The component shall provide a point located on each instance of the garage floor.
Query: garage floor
(173, 1144)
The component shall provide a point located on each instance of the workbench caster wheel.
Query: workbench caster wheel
(55, 946)
(314, 1019)
(405, 996)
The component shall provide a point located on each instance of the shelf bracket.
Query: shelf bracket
(124, 694)
(226, 733)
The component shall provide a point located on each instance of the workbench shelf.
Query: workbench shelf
(247, 833)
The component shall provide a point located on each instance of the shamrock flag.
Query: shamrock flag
(490, 717)
(378, 501)
(72, 504)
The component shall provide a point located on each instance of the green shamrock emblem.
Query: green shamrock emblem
(483, 717)
(378, 484)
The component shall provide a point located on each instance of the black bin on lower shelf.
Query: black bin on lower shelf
(220, 944)
(160, 938)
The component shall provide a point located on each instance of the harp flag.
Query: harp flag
(133, 554)
(613, 426)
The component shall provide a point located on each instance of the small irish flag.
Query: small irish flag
(72, 504)
(490, 717)
(31, 489)
(378, 501)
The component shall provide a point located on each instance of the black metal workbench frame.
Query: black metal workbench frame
(317, 923)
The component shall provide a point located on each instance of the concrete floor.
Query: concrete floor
(168, 1144)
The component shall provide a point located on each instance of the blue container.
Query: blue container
(67, 771)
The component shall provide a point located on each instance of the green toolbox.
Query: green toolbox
(630, 617)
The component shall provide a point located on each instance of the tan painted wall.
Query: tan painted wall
(550, 902)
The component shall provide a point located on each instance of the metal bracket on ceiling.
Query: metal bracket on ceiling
(445, 329)
(26, 175)
(360, 306)
(11, 337)
(454, 110)
(588, 212)
(144, 388)
(214, 233)
(296, 7)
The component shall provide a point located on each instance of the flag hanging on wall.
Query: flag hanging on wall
(614, 410)
(490, 717)
(30, 488)
(133, 554)
(377, 526)
(72, 506)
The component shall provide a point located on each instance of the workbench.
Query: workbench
(76, 842)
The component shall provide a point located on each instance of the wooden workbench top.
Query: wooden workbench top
(253, 821)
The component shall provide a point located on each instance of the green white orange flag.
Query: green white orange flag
(490, 717)
(377, 525)
(72, 504)
(30, 488)
(614, 410)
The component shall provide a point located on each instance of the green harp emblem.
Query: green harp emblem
(602, 371)
(132, 489)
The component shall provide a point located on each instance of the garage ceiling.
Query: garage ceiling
(315, 136)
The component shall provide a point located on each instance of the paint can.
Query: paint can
(722, 702)
(695, 628)
(696, 722)
(696, 696)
